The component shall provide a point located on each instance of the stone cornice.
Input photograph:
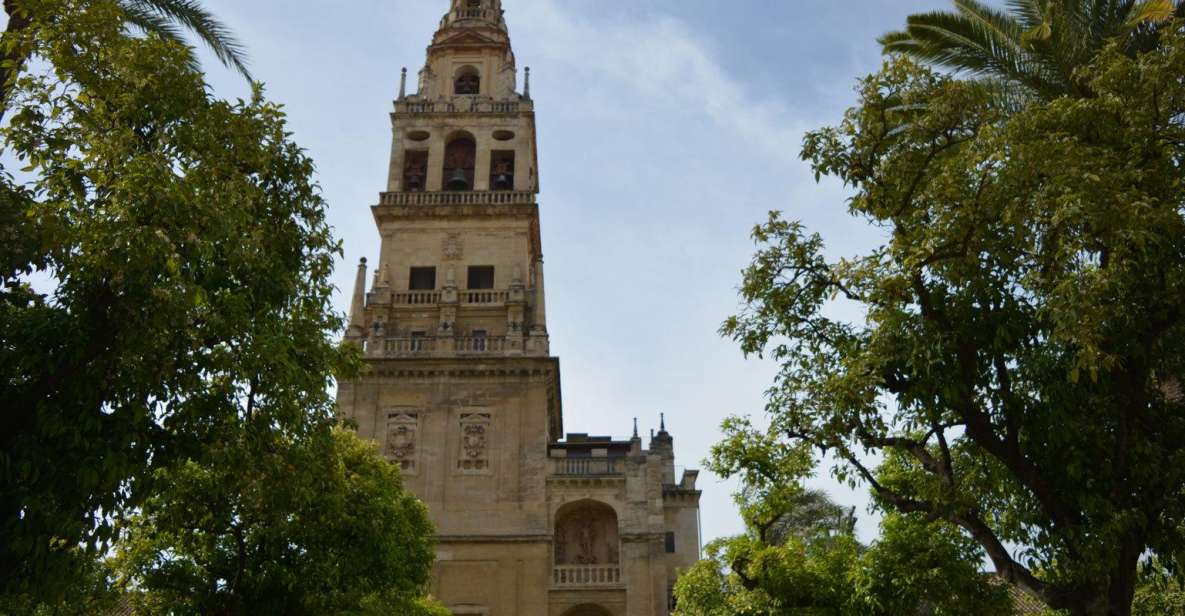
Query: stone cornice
(543, 538)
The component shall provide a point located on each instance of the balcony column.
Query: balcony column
(446, 329)
(435, 179)
(481, 170)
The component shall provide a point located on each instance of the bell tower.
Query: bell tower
(461, 389)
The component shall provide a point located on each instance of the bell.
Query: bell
(458, 181)
(503, 181)
(415, 182)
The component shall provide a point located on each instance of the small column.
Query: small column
(446, 329)
(481, 170)
(540, 312)
(403, 84)
(435, 179)
(538, 343)
(527, 83)
(357, 329)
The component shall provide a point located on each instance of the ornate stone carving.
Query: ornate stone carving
(452, 250)
(402, 434)
(475, 443)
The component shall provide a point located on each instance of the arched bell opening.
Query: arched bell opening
(460, 162)
(467, 81)
(586, 534)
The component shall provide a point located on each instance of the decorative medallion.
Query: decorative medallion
(475, 443)
(402, 431)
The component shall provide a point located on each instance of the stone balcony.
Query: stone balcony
(462, 104)
(586, 576)
(468, 197)
(433, 298)
(587, 467)
(455, 346)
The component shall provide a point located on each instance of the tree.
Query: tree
(1022, 320)
(1037, 46)
(275, 525)
(800, 555)
(188, 260)
(158, 17)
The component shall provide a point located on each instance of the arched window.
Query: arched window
(460, 162)
(468, 81)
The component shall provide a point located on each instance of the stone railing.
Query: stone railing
(405, 347)
(585, 576)
(415, 298)
(471, 13)
(576, 467)
(484, 298)
(450, 346)
(484, 197)
(466, 105)
(478, 345)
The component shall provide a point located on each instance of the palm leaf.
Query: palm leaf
(151, 15)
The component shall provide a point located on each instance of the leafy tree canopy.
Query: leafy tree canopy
(800, 557)
(1017, 364)
(275, 526)
(190, 259)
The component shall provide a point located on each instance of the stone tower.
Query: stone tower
(462, 391)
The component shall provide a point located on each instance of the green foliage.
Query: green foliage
(1161, 591)
(1037, 46)
(1023, 322)
(915, 566)
(270, 525)
(189, 260)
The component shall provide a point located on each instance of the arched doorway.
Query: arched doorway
(586, 534)
(588, 609)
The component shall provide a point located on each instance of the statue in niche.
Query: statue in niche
(586, 536)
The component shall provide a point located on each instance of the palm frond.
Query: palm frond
(152, 14)
(151, 22)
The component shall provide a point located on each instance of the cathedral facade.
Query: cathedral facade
(462, 391)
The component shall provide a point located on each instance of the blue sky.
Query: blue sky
(667, 129)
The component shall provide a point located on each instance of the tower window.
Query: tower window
(422, 279)
(670, 542)
(481, 277)
(415, 170)
(468, 81)
(460, 159)
(502, 169)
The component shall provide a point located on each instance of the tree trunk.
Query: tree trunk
(11, 63)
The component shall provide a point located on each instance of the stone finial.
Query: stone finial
(635, 427)
(662, 422)
(527, 83)
(403, 84)
(358, 302)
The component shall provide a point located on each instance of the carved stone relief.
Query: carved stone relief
(402, 434)
(452, 250)
(475, 443)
